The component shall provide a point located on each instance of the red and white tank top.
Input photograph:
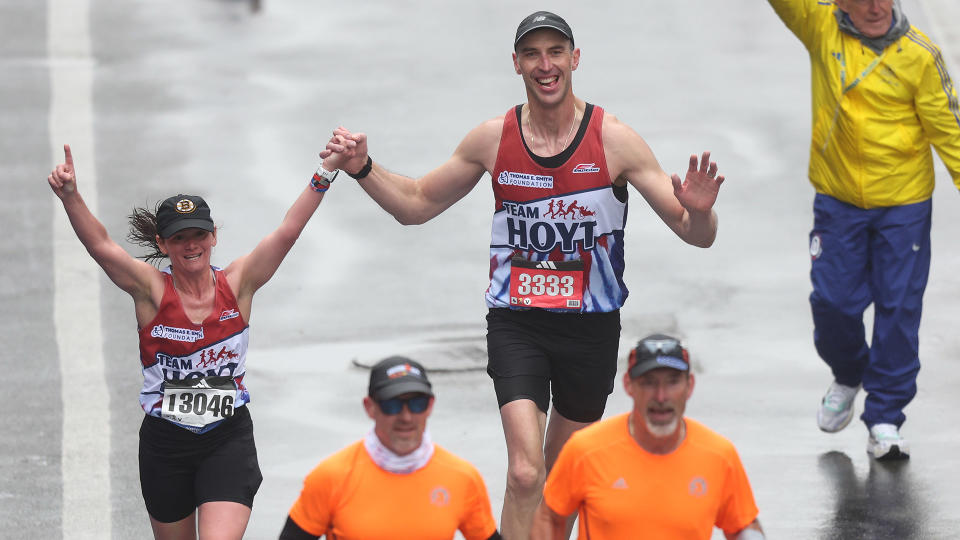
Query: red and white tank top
(561, 208)
(173, 348)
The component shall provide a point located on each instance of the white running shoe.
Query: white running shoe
(836, 409)
(885, 443)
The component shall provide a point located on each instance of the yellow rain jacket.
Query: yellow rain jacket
(874, 116)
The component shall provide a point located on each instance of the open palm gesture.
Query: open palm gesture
(698, 191)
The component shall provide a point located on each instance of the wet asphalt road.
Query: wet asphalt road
(212, 98)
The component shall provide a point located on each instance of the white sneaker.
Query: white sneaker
(885, 443)
(836, 409)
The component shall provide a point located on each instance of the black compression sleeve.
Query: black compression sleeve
(292, 531)
(495, 536)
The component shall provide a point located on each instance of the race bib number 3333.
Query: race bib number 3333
(546, 284)
(198, 402)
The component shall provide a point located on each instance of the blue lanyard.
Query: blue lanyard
(846, 88)
(843, 73)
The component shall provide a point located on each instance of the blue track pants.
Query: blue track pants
(859, 257)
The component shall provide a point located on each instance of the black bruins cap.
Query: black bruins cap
(183, 212)
(543, 19)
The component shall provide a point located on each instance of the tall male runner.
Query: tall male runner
(559, 168)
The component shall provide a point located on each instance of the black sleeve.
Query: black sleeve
(495, 536)
(292, 531)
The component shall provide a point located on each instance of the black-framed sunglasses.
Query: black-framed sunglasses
(416, 404)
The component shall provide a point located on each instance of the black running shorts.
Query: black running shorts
(180, 470)
(573, 356)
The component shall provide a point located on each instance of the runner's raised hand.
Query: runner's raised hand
(63, 179)
(698, 191)
(345, 150)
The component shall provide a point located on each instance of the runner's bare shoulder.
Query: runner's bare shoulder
(615, 131)
(626, 151)
(482, 142)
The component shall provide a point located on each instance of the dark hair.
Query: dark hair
(143, 232)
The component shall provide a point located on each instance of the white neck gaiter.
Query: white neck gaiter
(391, 462)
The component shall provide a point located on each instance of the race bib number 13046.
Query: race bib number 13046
(546, 284)
(198, 402)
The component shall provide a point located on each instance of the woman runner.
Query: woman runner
(198, 460)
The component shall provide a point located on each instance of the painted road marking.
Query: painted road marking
(86, 415)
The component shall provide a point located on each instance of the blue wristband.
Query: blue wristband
(317, 185)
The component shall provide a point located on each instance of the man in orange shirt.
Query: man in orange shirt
(650, 473)
(395, 484)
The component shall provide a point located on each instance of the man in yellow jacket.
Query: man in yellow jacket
(881, 97)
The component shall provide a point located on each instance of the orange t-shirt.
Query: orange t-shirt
(624, 492)
(348, 497)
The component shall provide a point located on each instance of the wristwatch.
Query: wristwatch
(325, 177)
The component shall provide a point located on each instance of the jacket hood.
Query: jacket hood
(899, 27)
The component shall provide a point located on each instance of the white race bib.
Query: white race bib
(198, 402)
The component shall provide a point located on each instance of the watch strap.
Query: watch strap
(362, 173)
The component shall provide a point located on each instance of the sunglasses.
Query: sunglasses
(668, 346)
(652, 348)
(416, 404)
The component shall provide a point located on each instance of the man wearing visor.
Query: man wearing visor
(650, 473)
(395, 483)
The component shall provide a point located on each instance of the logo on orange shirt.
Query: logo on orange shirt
(439, 496)
(698, 486)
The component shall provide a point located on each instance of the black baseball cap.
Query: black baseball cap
(398, 375)
(183, 212)
(658, 351)
(543, 19)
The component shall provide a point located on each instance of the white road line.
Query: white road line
(86, 414)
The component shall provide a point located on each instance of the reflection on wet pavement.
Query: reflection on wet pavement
(886, 505)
